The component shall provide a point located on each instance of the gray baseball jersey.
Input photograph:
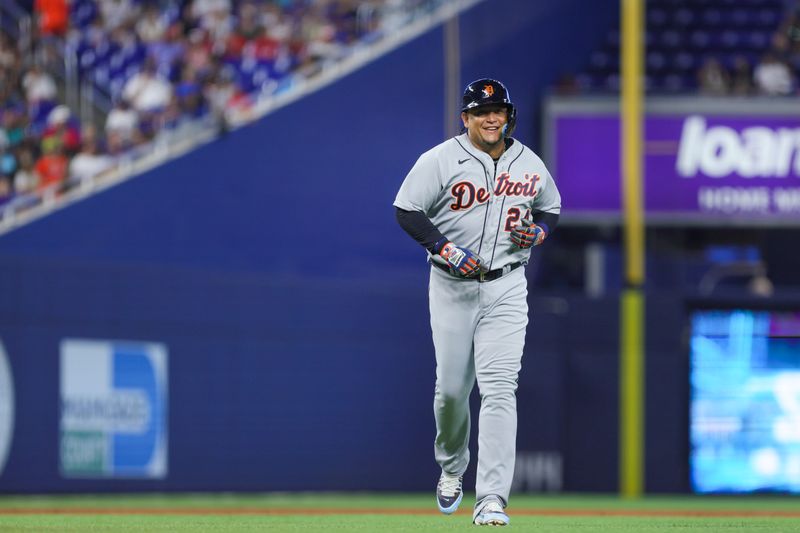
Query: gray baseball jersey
(474, 204)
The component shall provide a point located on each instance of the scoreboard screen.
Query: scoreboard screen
(745, 401)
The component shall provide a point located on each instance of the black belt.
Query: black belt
(487, 276)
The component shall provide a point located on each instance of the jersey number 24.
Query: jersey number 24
(513, 216)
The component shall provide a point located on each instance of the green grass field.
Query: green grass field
(390, 512)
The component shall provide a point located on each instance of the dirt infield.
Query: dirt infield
(196, 511)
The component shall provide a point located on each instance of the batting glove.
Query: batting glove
(463, 261)
(528, 234)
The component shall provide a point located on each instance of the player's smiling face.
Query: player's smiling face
(485, 127)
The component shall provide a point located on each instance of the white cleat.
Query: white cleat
(449, 493)
(491, 514)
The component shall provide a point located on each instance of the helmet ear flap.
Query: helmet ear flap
(508, 129)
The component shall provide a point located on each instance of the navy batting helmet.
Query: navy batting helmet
(487, 91)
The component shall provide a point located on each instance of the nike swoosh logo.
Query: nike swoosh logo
(461, 162)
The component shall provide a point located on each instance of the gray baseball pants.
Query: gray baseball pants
(478, 333)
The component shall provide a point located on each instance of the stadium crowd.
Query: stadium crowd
(164, 63)
(161, 64)
(774, 74)
(710, 47)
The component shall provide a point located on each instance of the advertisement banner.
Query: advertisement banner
(113, 409)
(697, 166)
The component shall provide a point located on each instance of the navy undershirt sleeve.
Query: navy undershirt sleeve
(547, 221)
(421, 229)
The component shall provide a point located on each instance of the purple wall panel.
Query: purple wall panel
(699, 166)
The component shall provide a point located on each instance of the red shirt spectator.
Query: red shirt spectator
(52, 166)
(53, 16)
(234, 46)
(63, 128)
(265, 47)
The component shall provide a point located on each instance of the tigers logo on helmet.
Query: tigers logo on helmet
(488, 91)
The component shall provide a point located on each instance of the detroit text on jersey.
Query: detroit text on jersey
(466, 194)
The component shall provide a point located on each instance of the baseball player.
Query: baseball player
(477, 203)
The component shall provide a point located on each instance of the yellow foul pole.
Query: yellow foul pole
(631, 432)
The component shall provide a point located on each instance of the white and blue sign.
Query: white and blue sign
(6, 408)
(113, 409)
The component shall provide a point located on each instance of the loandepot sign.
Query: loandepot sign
(754, 151)
(697, 166)
(6, 408)
(113, 409)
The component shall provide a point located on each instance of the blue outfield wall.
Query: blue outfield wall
(273, 384)
(267, 270)
(296, 385)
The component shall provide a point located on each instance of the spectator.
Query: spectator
(14, 122)
(90, 161)
(203, 12)
(266, 48)
(168, 52)
(171, 118)
(9, 57)
(319, 34)
(367, 17)
(39, 86)
(63, 127)
(198, 53)
(189, 96)
(781, 45)
(93, 36)
(26, 179)
(146, 92)
(116, 145)
(772, 76)
(52, 17)
(6, 191)
(226, 99)
(10, 69)
(277, 22)
(151, 27)
(51, 166)
(741, 77)
(213, 16)
(127, 44)
(344, 16)
(123, 122)
(712, 78)
(117, 13)
(41, 94)
(247, 30)
(8, 162)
